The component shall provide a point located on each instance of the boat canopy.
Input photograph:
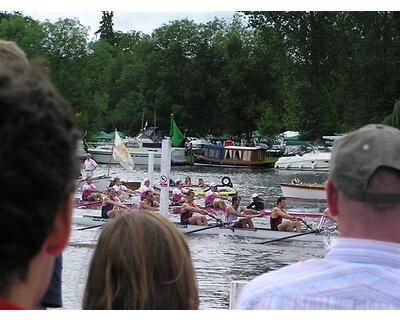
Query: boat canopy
(101, 135)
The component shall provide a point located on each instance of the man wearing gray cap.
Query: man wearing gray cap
(362, 268)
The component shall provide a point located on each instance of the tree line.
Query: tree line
(319, 73)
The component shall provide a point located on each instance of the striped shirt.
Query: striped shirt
(355, 274)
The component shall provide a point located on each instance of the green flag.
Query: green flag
(175, 134)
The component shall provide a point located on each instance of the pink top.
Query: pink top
(119, 189)
(209, 197)
(87, 189)
(143, 190)
(177, 195)
(90, 165)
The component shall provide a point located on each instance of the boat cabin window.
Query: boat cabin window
(246, 155)
(237, 155)
(228, 155)
(133, 145)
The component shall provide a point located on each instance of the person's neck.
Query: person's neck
(27, 294)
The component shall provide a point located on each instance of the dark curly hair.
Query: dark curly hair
(38, 164)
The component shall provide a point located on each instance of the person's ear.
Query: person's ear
(332, 199)
(58, 238)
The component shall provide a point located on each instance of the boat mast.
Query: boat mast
(142, 119)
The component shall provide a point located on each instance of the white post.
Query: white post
(164, 179)
(150, 168)
(236, 288)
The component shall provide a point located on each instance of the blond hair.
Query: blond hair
(141, 262)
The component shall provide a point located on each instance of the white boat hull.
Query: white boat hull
(259, 233)
(303, 191)
(141, 158)
(318, 161)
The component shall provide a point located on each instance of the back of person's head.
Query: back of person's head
(356, 158)
(12, 56)
(280, 199)
(141, 262)
(38, 167)
(364, 180)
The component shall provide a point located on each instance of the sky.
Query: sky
(146, 15)
(144, 21)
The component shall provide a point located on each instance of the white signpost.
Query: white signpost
(150, 168)
(164, 178)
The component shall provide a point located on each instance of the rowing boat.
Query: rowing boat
(309, 191)
(177, 209)
(258, 233)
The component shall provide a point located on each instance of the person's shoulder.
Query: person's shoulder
(275, 283)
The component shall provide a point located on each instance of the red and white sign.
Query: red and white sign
(163, 181)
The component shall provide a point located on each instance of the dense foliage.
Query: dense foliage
(315, 72)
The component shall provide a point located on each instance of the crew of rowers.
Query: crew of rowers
(236, 216)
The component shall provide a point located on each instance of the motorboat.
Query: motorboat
(313, 161)
(139, 148)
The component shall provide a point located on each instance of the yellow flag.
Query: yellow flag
(121, 153)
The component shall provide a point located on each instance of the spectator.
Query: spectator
(37, 154)
(141, 262)
(89, 165)
(362, 269)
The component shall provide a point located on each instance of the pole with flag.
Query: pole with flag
(121, 153)
(175, 134)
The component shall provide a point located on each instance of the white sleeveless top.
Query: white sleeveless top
(231, 217)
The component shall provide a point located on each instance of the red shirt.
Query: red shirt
(5, 305)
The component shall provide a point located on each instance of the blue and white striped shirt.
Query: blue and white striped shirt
(355, 274)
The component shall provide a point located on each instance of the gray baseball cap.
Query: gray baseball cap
(356, 157)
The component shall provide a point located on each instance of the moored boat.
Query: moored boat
(314, 161)
(139, 149)
(309, 191)
(231, 156)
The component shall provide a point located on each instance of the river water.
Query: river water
(218, 260)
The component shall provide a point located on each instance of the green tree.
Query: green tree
(106, 29)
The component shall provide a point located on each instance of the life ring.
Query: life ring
(226, 181)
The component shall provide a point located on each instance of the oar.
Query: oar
(289, 237)
(202, 229)
(214, 217)
(307, 225)
(91, 227)
(87, 204)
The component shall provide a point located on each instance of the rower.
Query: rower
(90, 192)
(257, 203)
(213, 200)
(146, 186)
(201, 183)
(120, 189)
(327, 222)
(235, 211)
(278, 213)
(148, 203)
(109, 202)
(188, 208)
(187, 182)
(178, 196)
